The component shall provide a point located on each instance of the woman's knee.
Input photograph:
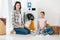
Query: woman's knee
(21, 31)
(26, 32)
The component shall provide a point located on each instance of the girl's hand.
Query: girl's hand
(36, 32)
(41, 28)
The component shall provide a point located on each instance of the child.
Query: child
(30, 22)
(42, 22)
(43, 27)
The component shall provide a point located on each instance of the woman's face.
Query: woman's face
(17, 6)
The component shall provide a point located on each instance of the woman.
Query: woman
(16, 20)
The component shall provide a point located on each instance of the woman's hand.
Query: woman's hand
(17, 25)
(21, 26)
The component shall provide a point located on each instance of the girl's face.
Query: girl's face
(42, 15)
(17, 6)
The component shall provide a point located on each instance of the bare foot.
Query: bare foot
(13, 32)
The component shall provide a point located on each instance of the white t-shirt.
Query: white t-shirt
(27, 23)
(41, 22)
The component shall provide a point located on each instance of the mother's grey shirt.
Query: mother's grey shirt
(17, 18)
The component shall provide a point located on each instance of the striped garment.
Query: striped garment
(16, 17)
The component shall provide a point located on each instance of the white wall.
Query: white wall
(1, 15)
(4, 12)
(0, 6)
(51, 7)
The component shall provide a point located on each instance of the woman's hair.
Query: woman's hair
(42, 12)
(30, 16)
(15, 5)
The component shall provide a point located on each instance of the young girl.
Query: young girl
(43, 27)
(30, 23)
(42, 22)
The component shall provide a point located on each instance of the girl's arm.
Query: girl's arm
(45, 23)
(38, 25)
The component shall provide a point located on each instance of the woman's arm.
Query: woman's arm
(21, 26)
(15, 24)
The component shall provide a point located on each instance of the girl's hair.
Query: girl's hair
(15, 5)
(30, 16)
(42, 12)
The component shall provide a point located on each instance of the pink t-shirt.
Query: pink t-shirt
(41, 22)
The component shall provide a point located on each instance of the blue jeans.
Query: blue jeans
(23, 31)
(48, 30)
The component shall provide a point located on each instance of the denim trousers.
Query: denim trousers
(48, 30)
(23, 31)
